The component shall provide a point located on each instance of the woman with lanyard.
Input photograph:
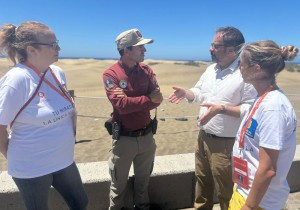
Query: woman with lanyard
(266, 141)
(39, 112)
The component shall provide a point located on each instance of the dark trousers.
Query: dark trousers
(67, 182)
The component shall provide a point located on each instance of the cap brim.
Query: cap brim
(144, 41)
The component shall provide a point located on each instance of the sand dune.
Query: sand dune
(173, 136)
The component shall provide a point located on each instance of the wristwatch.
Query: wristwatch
(222, 110)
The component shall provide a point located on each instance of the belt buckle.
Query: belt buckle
(140, 133)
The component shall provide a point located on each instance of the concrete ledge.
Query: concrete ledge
(171, 184)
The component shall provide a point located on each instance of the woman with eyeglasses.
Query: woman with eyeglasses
(37, 133)
(266, 141)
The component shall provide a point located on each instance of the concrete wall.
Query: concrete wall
(171, 184)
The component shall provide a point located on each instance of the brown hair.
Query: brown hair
(14, 40)
(232, 37)
(269, 55)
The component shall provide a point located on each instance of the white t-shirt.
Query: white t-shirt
(223, 87)
(273, 126)
(42, 138)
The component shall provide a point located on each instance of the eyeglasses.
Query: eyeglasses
(216, 46)
(53, 45)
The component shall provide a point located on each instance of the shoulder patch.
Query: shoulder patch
(123, 84)
(109, 83)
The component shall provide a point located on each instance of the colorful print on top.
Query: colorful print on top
(250, 132)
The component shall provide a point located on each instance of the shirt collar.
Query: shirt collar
(136, 67)
(232, 67)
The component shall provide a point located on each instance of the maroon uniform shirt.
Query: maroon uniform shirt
(137, 84)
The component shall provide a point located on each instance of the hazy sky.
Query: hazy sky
(182, 29)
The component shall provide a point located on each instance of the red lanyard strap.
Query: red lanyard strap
(61, 92)
(247, 122)
(66, 94)
(30, 99)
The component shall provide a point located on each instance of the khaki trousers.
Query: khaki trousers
(127, 150)
(213, 171)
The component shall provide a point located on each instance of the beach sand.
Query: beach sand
(177, 130)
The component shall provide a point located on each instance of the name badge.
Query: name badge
(240, 172)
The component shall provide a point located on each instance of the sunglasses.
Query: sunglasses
(216, 46)
(53, 45)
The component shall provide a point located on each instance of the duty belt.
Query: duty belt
(136, 133)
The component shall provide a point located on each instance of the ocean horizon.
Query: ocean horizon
(186, 60)
(96, 58)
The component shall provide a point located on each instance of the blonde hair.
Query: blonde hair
(14, 40)
(269, 55)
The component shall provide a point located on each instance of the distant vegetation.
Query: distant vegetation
(292, 67)
(189, 63)
(153, 63)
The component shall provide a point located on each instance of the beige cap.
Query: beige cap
(132, 37)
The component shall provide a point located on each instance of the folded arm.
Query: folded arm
(121, 100)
